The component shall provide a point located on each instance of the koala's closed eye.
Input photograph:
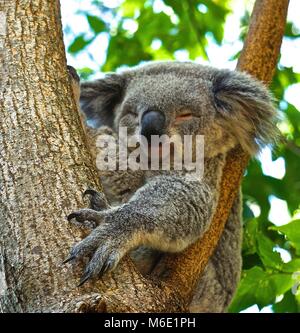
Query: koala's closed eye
(183, 116)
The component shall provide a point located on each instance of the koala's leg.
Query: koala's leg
(167, 214)
(218, 283)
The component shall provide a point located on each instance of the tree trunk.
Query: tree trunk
(45, 167)
(45, 164)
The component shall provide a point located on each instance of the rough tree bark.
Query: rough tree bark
(45, 166)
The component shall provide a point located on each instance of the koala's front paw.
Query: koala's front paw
(105, 247)
(106, 244)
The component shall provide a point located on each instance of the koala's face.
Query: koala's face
(163, 103)
(175, 98)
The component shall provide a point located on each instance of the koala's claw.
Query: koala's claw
(86, 217)
(105, 259)
(90, 273)
(98, 201)
(72, 216)
(71, 257)
(86, 276)
(90, 192)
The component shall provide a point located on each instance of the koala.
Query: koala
(164, 211)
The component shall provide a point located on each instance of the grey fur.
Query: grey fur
(163, 211)
(99, 97)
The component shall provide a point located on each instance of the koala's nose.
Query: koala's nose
(152, 123)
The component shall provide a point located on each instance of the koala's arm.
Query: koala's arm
(168, 214)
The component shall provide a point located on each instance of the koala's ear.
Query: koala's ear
(245, 108)
(98, 99)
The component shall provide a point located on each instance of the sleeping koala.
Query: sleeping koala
(161, 211)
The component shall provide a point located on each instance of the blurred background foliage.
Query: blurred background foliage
(120, 33)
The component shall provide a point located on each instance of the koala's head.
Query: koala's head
(227, 107)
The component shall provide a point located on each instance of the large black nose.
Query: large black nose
(153, 123)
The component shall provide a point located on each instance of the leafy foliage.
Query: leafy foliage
(153, 30)
(142, 30)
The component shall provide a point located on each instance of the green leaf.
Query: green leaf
(287, 305)
(96, 24)
(251, 284)
(79, 43)
(269, 257)
(291, 266)
(133, 49)
(249, 237)
(259, 287)
(291, 30)
(85, 72)
(282, 282)
(292, 232)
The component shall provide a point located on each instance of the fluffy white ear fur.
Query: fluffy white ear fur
(245, 106)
